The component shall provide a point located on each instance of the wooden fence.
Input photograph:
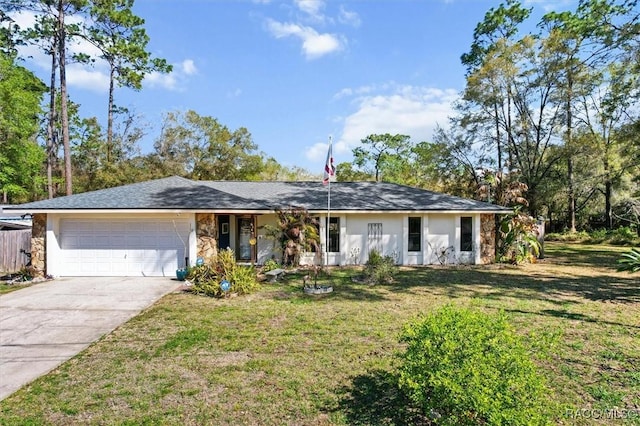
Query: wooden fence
(13, 245)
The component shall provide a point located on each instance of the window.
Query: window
(466, 233)
(333, 237)
(415, 234)
(374, 237)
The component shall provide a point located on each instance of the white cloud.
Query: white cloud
(317, 45)
(234, 93)
(189, 67)
(314, 44)
(313, 8)
(549, 5)
(348, 17)
(408, 110)
(165, 81)
(318, 152)
(85, 77)
(360, 91)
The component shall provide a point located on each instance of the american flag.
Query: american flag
(329, 168)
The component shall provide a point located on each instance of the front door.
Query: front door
(224, 232)
(245, 239)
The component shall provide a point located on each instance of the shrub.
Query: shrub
(597, 236)
(379, 269)
(567, 236)
(630, 261)
(270, 265)
(464, 367)
(206, 279)
(623, 235)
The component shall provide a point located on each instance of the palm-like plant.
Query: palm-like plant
(518, 240)
(296, 231)
(630, 261)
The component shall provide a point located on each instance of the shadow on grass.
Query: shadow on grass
(562, 314)
(375, 399)
(480, 282)
(584, 255)
(291, 287)
(585, 277)
(476, 282)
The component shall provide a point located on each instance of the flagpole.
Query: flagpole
(328, 210)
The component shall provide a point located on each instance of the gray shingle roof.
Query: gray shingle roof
(176, 193)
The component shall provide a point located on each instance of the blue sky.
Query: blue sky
(296, 72)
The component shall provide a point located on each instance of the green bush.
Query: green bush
(270, 265)
(569, 237)
(379, 269)
(207, 278)
(597, 236)
(464, 367)
(623, 235)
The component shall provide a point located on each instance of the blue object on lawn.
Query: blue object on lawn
(225, 285)
(181, 274)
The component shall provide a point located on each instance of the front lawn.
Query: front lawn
(280, 357)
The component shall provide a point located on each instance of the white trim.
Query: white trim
(143, 211)
(426, 254)
(405, 239)
(193, 241)
(239, 211)
(477, 240)
(409, 212)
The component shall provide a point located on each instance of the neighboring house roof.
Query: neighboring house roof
(12, 221)
(176, 193)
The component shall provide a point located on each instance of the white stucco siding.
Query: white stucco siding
(477, 258)
(441, 238)
(119, 244)
(359, 243)
(267, 247)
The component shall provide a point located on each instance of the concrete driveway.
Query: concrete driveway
(44, 325)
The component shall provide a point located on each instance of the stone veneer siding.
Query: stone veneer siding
(206, 233)
(487, 238)
(38, 247)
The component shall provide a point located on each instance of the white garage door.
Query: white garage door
(127, 247)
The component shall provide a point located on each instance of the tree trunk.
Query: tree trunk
(499, 148)
(608, 186)
(572, 195)
(498, 142)
(51, 123)
(510, 141)
(110, 115)
(570, 178)
(64, 113)
(608, 192)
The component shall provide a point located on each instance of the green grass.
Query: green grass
(280, 357)
(8, 288)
